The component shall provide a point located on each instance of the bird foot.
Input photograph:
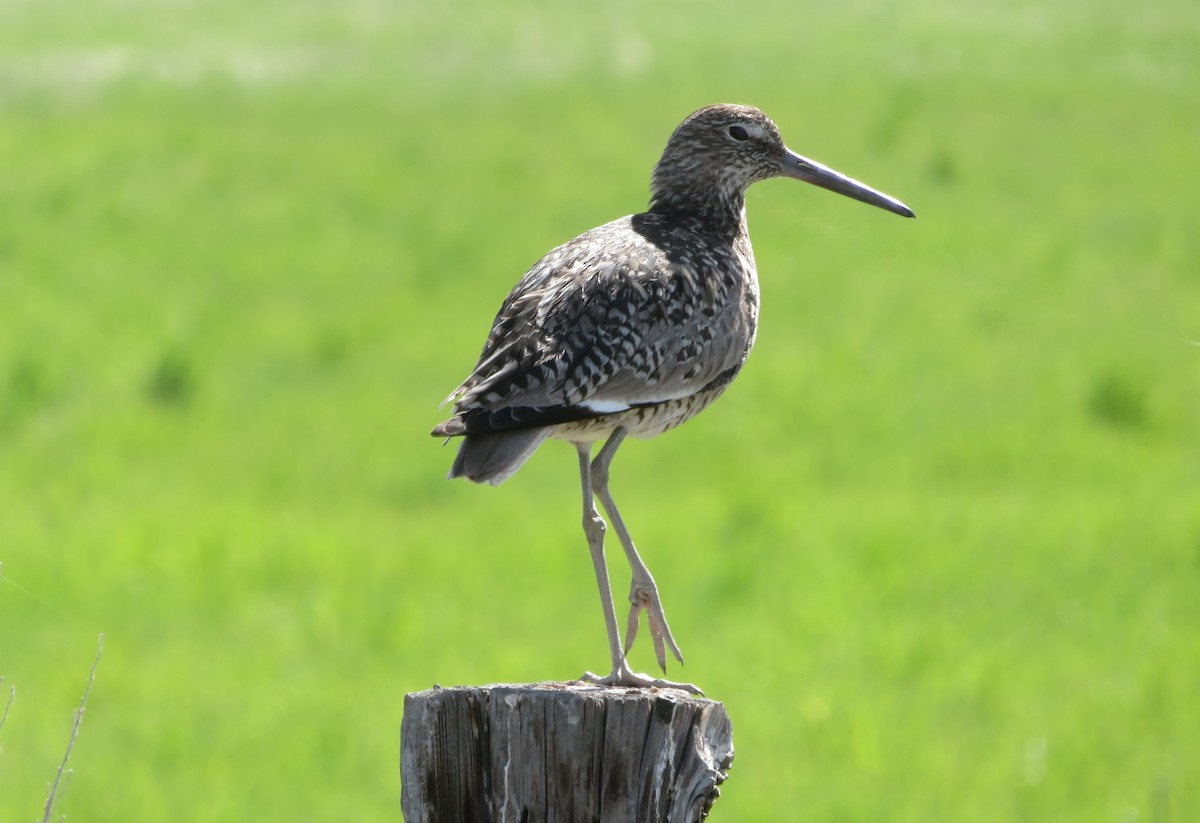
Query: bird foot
(622, 675)
(645, 598)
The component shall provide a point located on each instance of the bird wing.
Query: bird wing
(590, 331)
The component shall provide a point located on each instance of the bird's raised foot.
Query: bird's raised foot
(622, 675)
(645, 598)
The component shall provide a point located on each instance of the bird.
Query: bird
(629, 330)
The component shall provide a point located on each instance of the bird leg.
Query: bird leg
(593, 529)
(643, 593)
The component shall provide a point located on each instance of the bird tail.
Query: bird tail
(493, 457)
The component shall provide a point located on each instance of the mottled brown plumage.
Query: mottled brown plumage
(633, 328)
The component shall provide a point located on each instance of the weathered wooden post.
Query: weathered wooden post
(568, 752)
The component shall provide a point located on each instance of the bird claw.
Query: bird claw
(645, 598)
(623, 676)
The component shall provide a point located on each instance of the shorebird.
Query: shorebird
(629, 330)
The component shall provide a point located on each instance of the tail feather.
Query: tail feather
(495, 456)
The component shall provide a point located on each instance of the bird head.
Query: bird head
(719, 151)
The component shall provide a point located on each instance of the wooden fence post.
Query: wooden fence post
(566, 752)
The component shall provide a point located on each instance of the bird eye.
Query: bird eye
(739, 133)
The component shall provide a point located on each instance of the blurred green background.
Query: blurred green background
(938, 549)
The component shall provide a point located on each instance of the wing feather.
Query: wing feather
(587, 331)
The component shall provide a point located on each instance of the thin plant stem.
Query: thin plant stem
(12, 695)
(62, 767)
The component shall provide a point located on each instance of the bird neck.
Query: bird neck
(723, 211)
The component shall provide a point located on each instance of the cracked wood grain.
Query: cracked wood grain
(561, 752)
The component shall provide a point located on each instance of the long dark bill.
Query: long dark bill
(810, 171)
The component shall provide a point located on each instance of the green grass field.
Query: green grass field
(937, 550)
